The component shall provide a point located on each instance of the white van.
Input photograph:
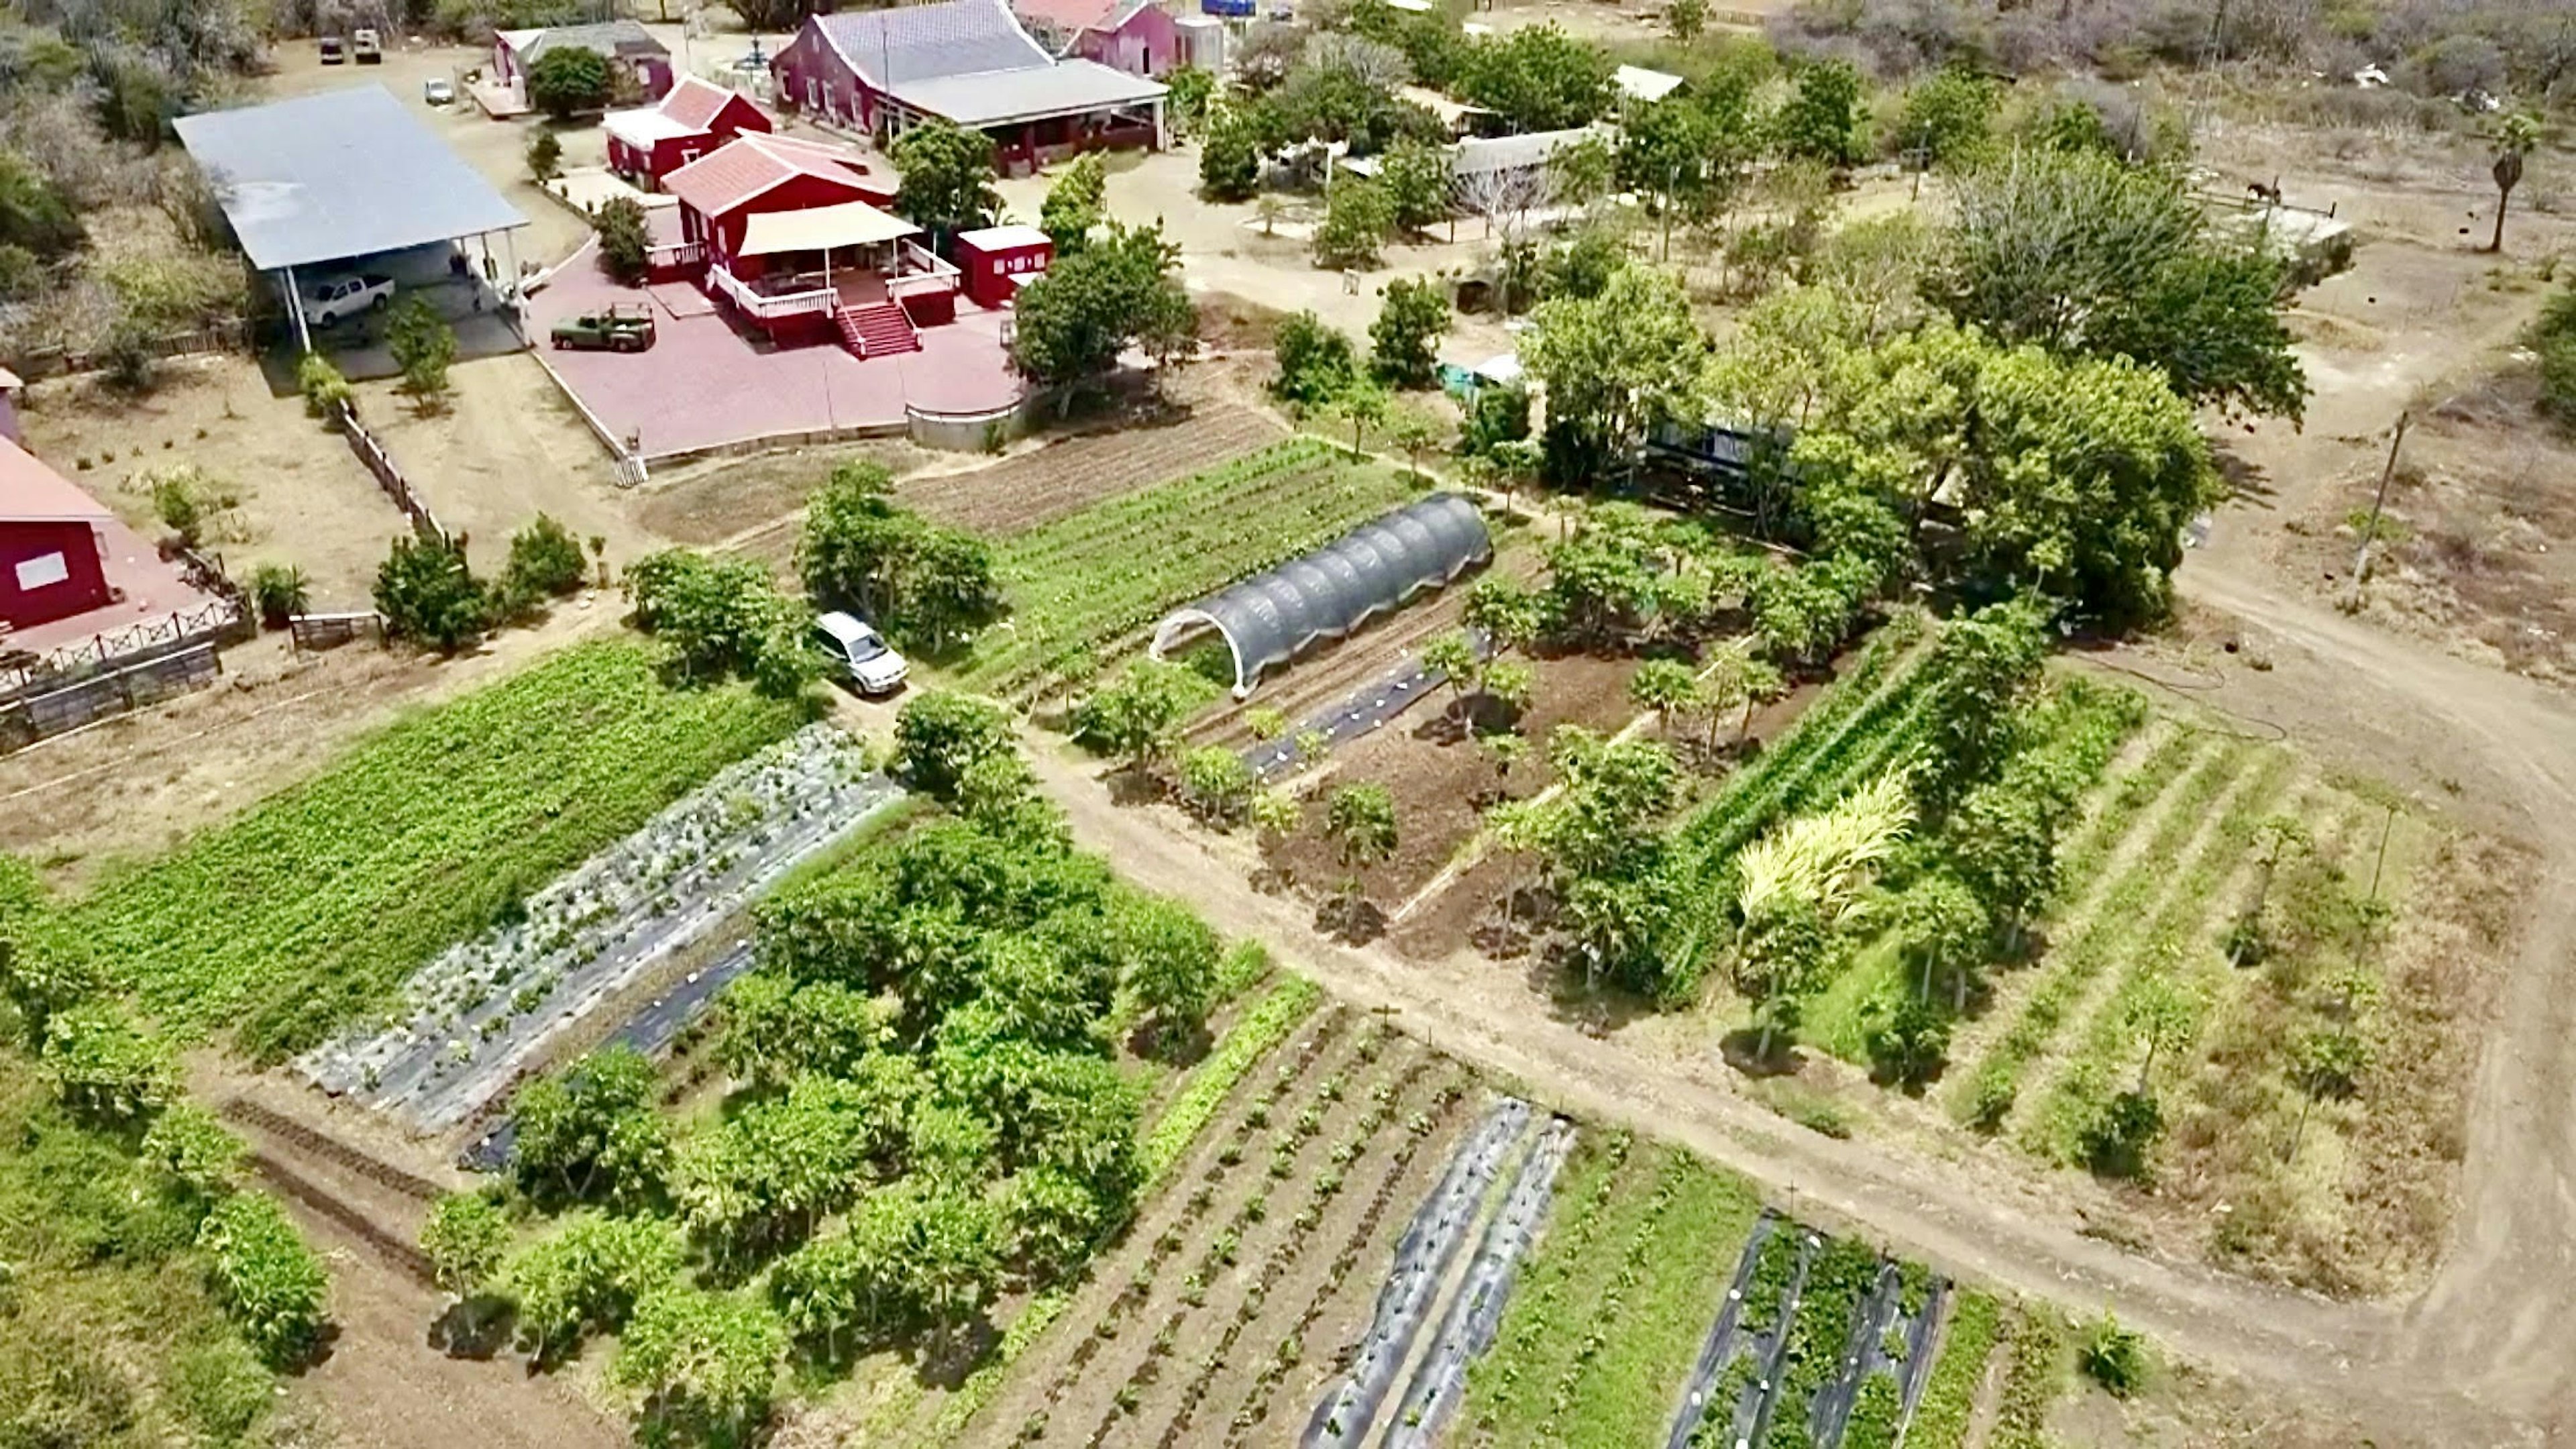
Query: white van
(859, 651)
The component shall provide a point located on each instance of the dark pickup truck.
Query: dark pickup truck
(620, 328)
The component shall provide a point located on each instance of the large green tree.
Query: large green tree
(567, 80)
(2088, 257)
(706, 1364)
(1614, 365)
(1074, 321)
(947, 183)
(926, 584)
(1538, 78)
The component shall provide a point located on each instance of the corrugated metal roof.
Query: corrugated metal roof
(1064, 88)
(608, 37)
(31, 492)
(342, 174)
(930, 42)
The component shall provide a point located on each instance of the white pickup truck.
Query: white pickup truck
(329, 299)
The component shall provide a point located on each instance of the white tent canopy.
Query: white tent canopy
(851, 223)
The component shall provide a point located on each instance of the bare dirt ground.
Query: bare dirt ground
(504, 449)
(304, 499)
(138, 784)
(385, 1380)
(1071, 473)
(729, 500)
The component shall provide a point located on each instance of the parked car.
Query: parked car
(438, 92)
(334, 50)
(857, 650)
(618, 327)
(367, 47)
(329, 299)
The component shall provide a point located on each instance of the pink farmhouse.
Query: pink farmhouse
(970, 63)
(1139, 37)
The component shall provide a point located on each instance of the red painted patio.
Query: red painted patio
(711, 381)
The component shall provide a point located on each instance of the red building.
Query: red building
(651, 142)
(1139, 37)
(794, 238)
(53, 560)
(630, 50)
(967, 62)
(996, 260)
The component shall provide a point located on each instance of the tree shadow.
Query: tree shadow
(1175, 1048)
(477, 1327)
(1130, 786)
(1351, 920)
(2246, 480)
(1742, 1049)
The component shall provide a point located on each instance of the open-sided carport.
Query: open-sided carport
(1271, 617)
(340, 177)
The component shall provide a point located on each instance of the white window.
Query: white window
(43, 570)
(813, 93)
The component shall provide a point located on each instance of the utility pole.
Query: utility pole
(2370, 533)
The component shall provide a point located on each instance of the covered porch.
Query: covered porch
(852, 266)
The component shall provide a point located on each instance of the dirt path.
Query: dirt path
(1950, 1215)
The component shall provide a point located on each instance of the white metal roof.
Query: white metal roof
(643, 126)
(992, 238)
(1640, 84)
(852, 223)
(992, 98)
(342, 174)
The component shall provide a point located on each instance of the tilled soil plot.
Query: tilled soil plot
(1268, 1199)
(1229, 1388)
(1436, 774)
(382, 1381)
(1065, 477)
(1139, 1284)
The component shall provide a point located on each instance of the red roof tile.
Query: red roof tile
(744, 167)
(30, 492)
(695, 103)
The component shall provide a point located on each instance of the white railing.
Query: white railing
(912, 258)
(676, 254)
(788, 304)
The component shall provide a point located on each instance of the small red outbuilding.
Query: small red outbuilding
(997, 259)
(52, 562)
(651, 142)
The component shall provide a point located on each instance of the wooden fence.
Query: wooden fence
(216, 621)
(389, 476)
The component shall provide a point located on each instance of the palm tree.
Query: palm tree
(2515, 136)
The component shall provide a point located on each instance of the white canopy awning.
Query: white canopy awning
(852, 223)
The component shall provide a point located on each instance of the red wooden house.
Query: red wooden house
(650, 142)
(793, 237)
(970, 63)
(53, 561)
(1139, 37)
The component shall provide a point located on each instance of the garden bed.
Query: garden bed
(473, 1018)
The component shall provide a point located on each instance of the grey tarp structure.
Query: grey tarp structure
(343, 174)
(1268, 618)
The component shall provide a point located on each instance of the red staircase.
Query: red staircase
(878, 329)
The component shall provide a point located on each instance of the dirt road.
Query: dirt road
(2362, 1357)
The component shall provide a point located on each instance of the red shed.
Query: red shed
(651, 142)
(52, 561)
(997, 259)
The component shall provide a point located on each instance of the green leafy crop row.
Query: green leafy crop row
(1950, 1395)
(1101, 575)
(313, 907)
(1263, 1027)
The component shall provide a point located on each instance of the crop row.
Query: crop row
(2158, 956)
(1110, 571)
(1840, 1276)
(1290, 1350)
(1349, 1409)
(2031, 1383)
(1292, 1142)
(1652, 1324)
(2083, 860)
(1326, 1186)
(1262, 1028)
(1267, 1024)
(1593, 1325)
(1770, 1294)
(1950, 1396)
(311, 908)
(1599, 1202)
(1739, 809)
(2071, 965)
(1825, 766)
